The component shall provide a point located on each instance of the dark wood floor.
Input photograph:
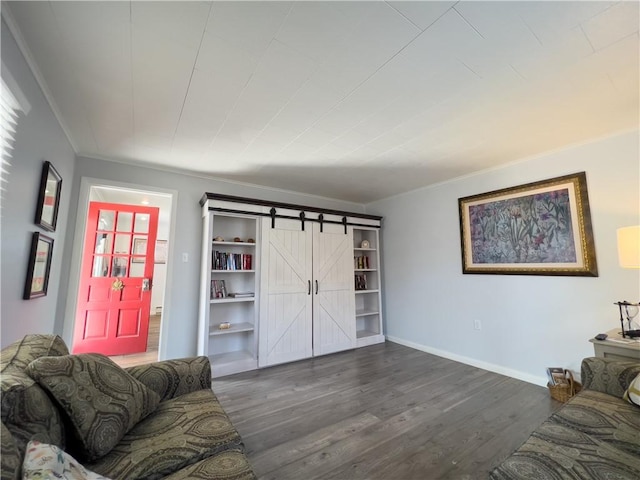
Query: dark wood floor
(380, 412)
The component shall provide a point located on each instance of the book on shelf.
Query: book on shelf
(241, 294)
(556, 376)
(218, 289)
(231, 261)
(361, 262)
(361, 282)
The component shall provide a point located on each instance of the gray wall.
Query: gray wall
(38, 138)
(528, 322)
(180, 315)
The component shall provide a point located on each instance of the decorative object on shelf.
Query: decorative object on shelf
(241, 295)
(39, 266)
(237, 239)
(630, 311)
(224, 326)
(218, 239)
(48, 198)
(540, 228)
(365, 244)
(250, 240)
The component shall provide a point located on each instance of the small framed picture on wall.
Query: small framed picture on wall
(48, 198)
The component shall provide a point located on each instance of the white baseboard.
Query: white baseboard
(509, 372)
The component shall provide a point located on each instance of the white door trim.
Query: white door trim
(76, 255)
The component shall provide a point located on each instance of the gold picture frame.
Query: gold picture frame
(540, 228)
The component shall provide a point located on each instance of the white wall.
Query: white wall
(38, 138)
(528, 322)
(180, 311)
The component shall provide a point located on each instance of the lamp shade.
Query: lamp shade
(629, 246)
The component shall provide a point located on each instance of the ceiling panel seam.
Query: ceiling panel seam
(248, 82)
(193, 69)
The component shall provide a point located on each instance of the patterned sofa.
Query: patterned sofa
(596, 435)
(184, 434)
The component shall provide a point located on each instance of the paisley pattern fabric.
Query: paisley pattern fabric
(21, 353)
(47, 462)
(187, 436)
(26, 409)
(182, 431)
(10, 456)
(605, 418)
(172, 378)
(596, 435)
(101, 400)
(228, 465)
(608, 375)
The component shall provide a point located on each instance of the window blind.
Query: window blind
(9, 108)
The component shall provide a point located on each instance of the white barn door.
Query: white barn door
(285, 303)
(334, 325)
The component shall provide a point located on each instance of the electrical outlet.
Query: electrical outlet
(477, 324)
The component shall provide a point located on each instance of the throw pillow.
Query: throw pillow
(47, 462)
(632, 395)
(102, 401)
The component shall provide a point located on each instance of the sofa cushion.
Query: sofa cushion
(181, 431)
(594, 435)
(100, 399)
(9, 456)
(228, 465)
(26, 409)
(556, 452)
(21, 353)
(43, 461)
(603, 417)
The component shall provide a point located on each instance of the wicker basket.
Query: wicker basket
(564, 391)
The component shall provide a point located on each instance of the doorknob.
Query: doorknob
(146, 285)
(117, 285)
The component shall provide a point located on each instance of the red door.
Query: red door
(114, 300)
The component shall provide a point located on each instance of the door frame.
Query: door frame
(86, 183)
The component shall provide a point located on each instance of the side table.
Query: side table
(614, 346)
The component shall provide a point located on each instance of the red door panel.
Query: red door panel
(114, 300)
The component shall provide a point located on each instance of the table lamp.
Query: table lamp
(629, 257)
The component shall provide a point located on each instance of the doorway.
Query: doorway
(122, 196)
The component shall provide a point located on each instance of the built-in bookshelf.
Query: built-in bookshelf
(230, 315)
(367, 282)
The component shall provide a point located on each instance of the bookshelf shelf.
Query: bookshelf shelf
(233, 300)
(366, 269)
(358, 292)
(235, 244)
(215, 272)
(366, 313)
(235, 328)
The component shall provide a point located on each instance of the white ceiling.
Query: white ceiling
(350, 100)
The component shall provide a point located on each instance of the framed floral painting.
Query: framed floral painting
(541, 228)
